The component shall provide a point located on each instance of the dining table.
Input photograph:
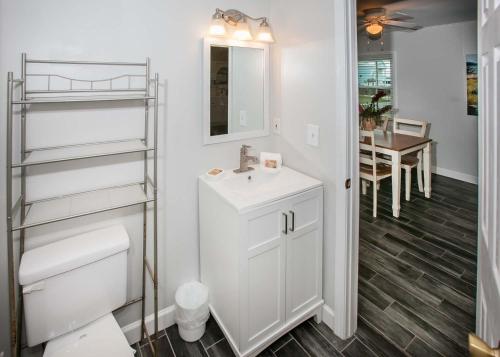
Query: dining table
(395, 146)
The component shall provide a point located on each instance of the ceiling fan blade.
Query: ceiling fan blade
(406, 25)
(361, 27)
(395, 17)
(400, 13)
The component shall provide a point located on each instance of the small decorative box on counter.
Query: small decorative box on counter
(270, 161)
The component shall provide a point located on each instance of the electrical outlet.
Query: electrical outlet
(277, 126)
(243, 118)
(312, 135)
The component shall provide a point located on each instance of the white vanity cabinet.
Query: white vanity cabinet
(262, 263)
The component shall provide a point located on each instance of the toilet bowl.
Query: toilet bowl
(70, 289)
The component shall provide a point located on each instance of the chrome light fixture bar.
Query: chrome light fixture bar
(238, 21)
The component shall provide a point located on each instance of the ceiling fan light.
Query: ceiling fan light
(265, 34)
(242, 31)
(374, 29)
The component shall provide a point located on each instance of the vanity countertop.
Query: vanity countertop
(245, 191)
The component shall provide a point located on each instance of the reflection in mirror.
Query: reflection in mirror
(219, 80)
(236, 90)
(247, 89)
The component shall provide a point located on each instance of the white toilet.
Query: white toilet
(70, 289)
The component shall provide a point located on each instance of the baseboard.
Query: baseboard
(455, 175)
(328, 316)
(132, 331)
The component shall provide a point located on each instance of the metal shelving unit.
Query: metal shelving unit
(23, 214)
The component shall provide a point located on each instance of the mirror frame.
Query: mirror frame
(207, 139)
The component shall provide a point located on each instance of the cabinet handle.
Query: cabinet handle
(292, 228)
(286, 223)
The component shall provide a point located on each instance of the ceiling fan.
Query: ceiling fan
(375, 20)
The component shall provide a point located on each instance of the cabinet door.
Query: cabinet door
(304, 251)
(263, 271)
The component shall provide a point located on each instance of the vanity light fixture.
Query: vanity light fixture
(265, 34)
(242, 31)
(238, 20)
(218, 27)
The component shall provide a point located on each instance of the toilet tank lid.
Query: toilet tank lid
(71, 253)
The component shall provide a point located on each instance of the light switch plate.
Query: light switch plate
(277, 126)
(243, 118)
(312, 135)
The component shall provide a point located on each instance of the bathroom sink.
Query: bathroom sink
(249, 189)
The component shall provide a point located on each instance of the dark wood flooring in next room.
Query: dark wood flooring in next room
(416, 285)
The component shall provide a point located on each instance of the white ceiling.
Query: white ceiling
(427, 12)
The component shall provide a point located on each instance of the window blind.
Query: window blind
(376, 72)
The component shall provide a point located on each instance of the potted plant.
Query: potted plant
(370, 114)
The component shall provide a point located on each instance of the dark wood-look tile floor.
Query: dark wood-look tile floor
(417, 278)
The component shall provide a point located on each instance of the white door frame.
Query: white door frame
(346, 283)
(347, 205)
(488, 278)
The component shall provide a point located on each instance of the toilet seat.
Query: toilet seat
(101, 338)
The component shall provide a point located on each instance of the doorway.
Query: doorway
(417, 257)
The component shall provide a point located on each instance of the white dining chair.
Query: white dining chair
(409, 161)
(371, 168)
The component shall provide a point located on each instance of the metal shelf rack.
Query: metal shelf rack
(23, 214)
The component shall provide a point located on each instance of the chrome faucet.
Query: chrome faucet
(245, 159)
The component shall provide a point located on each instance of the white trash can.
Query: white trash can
(191, 313)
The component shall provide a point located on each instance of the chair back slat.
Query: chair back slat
(369, 157)
(420, 127)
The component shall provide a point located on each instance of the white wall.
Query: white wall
(303, 92)
(431, 85)
(168, 31)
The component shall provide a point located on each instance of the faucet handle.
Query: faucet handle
(244, 149)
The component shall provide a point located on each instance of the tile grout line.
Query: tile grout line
(424, 318)
(420, 270)
(283, 345)
(411, 341)
(345, 347)
(366, 346)
(289, 339)
(383, 334)
(213, 344)
(170, 344)
(438, 279)
(300, 345)
(324, 337)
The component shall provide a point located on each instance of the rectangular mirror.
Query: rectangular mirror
(235, 90)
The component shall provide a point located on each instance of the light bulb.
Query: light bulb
(218, 26)
(264, 34)
(374, 28)
(242, 31)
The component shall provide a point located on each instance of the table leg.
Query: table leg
(427, 170)
(396, 183)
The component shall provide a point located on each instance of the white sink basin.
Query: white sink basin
(253, 188)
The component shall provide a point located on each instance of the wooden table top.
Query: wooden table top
(396, 142)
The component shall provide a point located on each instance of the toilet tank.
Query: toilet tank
(72, 282)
